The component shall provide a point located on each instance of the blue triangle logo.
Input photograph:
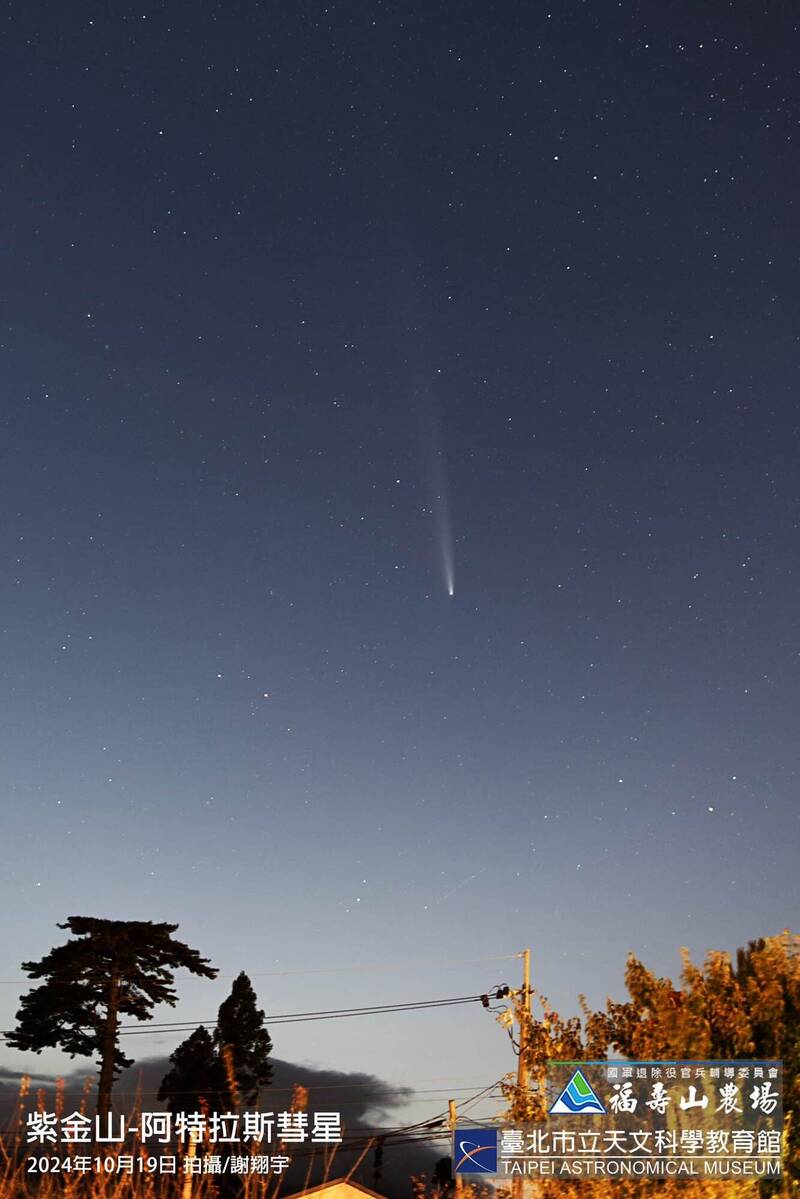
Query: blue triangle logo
(577, 1099)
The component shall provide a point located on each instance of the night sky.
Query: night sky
(311, 316)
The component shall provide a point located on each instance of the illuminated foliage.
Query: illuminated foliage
(722, 1009)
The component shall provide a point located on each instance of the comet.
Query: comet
(440, 506)
(444, 535)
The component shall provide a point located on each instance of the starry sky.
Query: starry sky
(400, 498)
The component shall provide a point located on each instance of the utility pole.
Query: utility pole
(523, 1009)
(451, 1108)
(524, 1018)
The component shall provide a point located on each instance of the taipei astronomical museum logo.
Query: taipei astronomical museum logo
(475, 1151)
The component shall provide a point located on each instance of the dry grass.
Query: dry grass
(17, 1181)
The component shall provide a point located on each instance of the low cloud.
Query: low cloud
(368, 1105)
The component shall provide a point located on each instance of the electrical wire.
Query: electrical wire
(182, 1026)
(330, 1012)
(374, 967)
(422, 1131)
(380, 1094)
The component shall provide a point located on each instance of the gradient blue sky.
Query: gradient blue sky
(280, 290)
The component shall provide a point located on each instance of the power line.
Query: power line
(367, 1100)
(181, 1026)
(423, 1130)
(324, 1014)
(399, 1089)
(342, 1011)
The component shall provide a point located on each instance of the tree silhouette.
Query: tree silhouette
(197, 1077)
(443, 1176)
(243, 1042)
(113, 968)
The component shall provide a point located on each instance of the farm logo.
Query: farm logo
(577, 1099)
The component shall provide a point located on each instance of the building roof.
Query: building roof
(347, 1183)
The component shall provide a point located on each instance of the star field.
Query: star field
(400, 491)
